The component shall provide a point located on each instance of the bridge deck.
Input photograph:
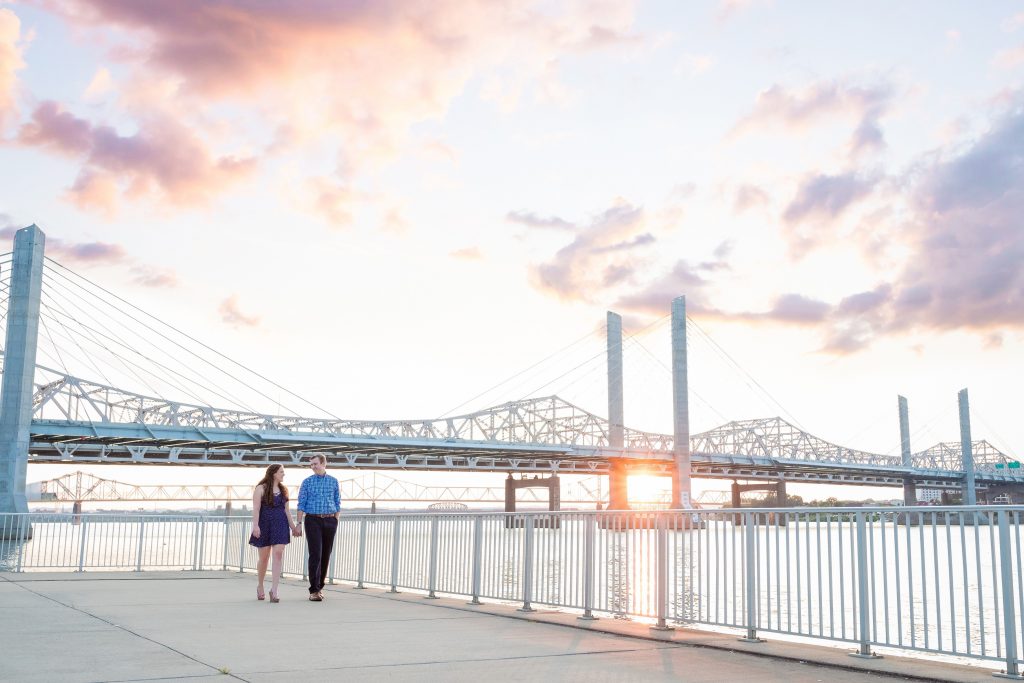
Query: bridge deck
(199, 626)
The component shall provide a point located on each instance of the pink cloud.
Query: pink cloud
(74, 252)
(602, 254)
(231, 314)
(655, 298)
(748, 197)
(467, 254)
(349, 76)
(964, 268)
(10, 62)
(163, 159)
(824, 197)
(798, 110)
(155, 277)
(1011, 58)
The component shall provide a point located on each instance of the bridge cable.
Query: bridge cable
(184, 348)
(522, 372)
(724, 354)
(170, 372)
(126, 362)
(597, 355)
(124, 343)
(196, 341)
(690, 389)
(85, 353)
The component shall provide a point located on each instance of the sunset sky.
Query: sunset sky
(390, 207)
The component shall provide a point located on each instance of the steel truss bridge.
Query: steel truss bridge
(84, 487)
(80, 421)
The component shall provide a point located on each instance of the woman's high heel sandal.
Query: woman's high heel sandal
(273, 597)
(259, 594)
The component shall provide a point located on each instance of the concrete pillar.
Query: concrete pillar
(618, 491)
(737, 502)
(554, 493)
(616, 420)
(909, 487)
(970, 496)
(680, 408)
(19, 366)
(510, 493)
(781, 497)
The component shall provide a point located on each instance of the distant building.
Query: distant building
(929, 495)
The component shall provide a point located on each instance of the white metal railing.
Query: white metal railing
(934, 580)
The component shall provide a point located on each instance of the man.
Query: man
(319, 511)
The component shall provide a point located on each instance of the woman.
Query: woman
(271, 523)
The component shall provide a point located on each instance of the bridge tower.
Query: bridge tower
(970, 496)
(17, 388)
(618, 497)
(909, 487)
(680, 408)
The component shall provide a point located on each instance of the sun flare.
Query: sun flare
(647, 488)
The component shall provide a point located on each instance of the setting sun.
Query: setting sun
(647, 488)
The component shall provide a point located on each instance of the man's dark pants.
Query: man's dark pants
(320, 533)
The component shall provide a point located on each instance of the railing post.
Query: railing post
(201, 521)
(195, 543)
(361, 571)
(863, 611)
(527, 564)
(395, 545)
(588, 568)
(81, 544)
(750, 575)
(305, 562)
(227, 528)
(661, 573)
(20, 540)
(478, 550)
(138, 548)
(435, 522)
(334, 557)
(241, 548)
(1009, 612)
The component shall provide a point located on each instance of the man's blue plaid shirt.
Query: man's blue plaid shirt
(319, 495)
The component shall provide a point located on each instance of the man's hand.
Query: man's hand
(297, 531)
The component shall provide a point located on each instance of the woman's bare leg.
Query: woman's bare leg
(261, 567)
(277, 568)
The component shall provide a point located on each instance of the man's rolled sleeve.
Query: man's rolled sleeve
(303, 497)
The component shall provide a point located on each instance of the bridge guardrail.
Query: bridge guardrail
(944, 580)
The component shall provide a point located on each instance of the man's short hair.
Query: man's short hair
(321, 458)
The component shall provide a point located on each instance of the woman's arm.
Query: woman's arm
(296, 530)
(257, 503)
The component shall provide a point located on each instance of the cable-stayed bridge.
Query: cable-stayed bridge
(54, 415)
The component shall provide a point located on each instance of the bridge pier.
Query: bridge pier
(552, 484)
(618, 484)
(778, 487)
(18, 387)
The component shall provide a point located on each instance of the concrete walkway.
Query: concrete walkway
(186, 626)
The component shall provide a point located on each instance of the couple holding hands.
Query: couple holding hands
(319, 509)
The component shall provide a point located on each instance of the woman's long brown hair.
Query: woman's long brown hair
(268, 485)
